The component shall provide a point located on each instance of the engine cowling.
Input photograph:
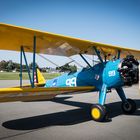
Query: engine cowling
(129, 70)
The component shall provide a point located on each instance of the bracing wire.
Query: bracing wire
(72, 60)
(91, 59)
(48, 60)
(76, 62)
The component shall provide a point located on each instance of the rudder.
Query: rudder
(38, 77)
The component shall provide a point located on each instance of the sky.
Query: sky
(115, 22)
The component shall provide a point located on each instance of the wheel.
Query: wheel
(129, 107)
(98, 112)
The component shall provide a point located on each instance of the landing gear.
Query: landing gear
(128, 107)
(98, 112)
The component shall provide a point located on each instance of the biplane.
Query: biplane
(118, 67)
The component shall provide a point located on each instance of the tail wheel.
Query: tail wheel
(129, 107)
(98, 112)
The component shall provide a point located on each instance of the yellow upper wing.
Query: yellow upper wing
(13, 37)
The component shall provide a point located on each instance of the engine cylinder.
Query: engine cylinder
(129, 70)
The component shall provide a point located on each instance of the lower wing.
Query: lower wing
(30, 94)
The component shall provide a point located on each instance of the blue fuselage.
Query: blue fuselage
(103, 73)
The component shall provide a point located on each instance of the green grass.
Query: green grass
(15, 75)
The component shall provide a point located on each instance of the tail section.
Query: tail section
(38, 77)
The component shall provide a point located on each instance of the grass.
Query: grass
(15, 75)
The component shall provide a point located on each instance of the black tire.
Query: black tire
(98, 112)
(129, 107)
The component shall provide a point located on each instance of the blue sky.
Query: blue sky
(114, 22)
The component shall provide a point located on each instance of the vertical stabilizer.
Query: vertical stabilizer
(38, 77)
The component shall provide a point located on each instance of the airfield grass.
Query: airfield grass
(15, 75)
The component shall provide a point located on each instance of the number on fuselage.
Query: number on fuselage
(71, 82)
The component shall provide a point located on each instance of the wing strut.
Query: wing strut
(27, 67)
(119, 54)
(20, 75)
(34, 64)
(98, 54)
(85, 60)
(22, 53)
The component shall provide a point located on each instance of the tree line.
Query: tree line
(10, 66)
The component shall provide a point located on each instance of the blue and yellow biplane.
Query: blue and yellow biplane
(118, 67)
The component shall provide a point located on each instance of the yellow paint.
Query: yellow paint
(41, 79)
(27, 93)
(39, 89)
(95, 113)
(13, 37)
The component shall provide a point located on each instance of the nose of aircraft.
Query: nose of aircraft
(129, 70)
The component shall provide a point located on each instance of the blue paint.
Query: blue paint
(98, 54)
(27, 67)
(54, 83)
(34, 65)
(121, 93)
(85, 60)
(111, 75)
(90, 77)
(103, 76)
(119, 54)
(102, 94)
(21, 66)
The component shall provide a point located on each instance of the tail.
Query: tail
(38, 77)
